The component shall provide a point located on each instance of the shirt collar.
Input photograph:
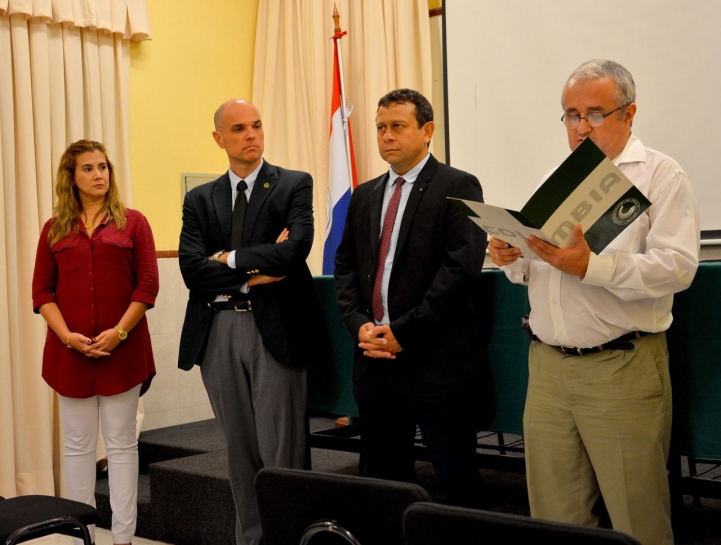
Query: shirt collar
(633, 152)
(250, 179)
(410, 176)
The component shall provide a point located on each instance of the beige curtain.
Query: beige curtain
(388, 46)
(64, 75)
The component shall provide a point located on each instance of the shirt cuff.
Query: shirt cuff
(516, 271)
(245, 288)
(41, 300)
(600, 269)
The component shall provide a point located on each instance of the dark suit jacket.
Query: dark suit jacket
(438, 259)
(280, 198)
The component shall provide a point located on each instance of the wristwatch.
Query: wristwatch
(122, 334)
(216, 255)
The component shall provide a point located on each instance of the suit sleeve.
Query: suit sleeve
(465, 250)
(265, 257)
(347, 281)
(279, 259)
(199, 273)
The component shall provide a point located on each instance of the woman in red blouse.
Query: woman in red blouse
(96, 274)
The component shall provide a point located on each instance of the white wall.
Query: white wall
(507, 61)
(175, 396)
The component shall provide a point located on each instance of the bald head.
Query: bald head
(233, 102)
(239, 131)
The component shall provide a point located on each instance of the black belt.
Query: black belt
(238, 305)
(621, 343)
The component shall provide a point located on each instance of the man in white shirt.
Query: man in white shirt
(598, 408)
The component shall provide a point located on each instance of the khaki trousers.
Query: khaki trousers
(601, 423)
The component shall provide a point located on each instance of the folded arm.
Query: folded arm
(273, 259)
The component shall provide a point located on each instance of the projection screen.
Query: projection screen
(506, 62)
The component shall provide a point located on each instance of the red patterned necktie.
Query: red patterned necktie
(385, 242)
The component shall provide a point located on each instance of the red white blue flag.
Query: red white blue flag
(341, 171)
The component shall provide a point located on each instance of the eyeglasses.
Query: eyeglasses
(594, 119)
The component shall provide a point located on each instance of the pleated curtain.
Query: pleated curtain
(64, 75)
(388, 46)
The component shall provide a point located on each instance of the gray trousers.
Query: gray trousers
(260, 406)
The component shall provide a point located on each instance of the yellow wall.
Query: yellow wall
(201, 54)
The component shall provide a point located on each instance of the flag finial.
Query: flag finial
(336, 18)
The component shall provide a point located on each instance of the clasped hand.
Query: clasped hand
(96, 347)
(378, 341)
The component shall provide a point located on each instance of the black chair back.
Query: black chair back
(431, 524)
(29, 517)
(291, 500)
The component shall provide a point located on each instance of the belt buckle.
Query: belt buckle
(246, 307)
(572, 350)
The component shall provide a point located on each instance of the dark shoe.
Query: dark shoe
(101, 469)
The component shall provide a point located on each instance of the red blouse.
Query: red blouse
(93, 281)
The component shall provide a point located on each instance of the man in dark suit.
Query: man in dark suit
(242, 253)
(405, 268)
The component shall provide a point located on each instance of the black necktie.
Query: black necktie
(236, 226)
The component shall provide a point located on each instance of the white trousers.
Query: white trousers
(101, 454)
(80, 431)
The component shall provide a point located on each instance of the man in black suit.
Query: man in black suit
(404, 289)
(242, 253)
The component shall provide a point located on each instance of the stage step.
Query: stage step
(184, 469)
(102, 499)
(192, 501)
(178, 442)
(169, 454)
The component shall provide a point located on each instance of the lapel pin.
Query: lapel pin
(266, 185)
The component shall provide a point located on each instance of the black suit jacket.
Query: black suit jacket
(280, 198)
(438, 260)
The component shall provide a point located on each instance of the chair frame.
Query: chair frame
(295, 505)
(52, 526)
(327, 526)
(74, 523)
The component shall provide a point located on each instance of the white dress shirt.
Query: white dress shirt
(629, 286)
(410, 177)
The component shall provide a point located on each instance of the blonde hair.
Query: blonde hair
(68, 207)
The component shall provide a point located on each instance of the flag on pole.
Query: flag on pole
(341, 171)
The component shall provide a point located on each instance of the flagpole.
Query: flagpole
(337, 35)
